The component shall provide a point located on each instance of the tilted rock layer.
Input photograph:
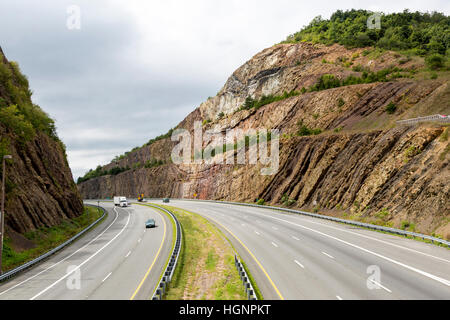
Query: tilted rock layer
(40, 187)
(362, 166)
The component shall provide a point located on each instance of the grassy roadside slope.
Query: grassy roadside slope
(45, 239)
(206, 267)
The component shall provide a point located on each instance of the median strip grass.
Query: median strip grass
(206, 267)
(45, 239)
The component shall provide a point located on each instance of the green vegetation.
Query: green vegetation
(160, 137)
(411, 152)
(251, 103)
(303, 130)
(17, 113)
(99, 171)
(444, 135)
(406, 225)
(260, 202)
(153, 163)
(286, 201)
(204, 272)
(246, 143)
(382, 214)
(391, 108)
(435, 61)
(420, 33)
(329, 81)
(45, 239)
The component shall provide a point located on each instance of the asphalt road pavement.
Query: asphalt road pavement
(119, 259)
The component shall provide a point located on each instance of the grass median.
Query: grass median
(43, 239)
(206, 267)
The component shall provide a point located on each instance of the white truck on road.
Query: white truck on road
(120, 201)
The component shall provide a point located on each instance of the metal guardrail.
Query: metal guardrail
(170, 269)
(350, 222)
(11, 273)
(436, 117)
(250, 292)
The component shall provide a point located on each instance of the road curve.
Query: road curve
(119, 259)
(298, 257)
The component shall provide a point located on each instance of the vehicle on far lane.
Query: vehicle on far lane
(166, 200)
(120, 201)
(150, 223)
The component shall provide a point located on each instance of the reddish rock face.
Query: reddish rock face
(40, 187)
(362, 165)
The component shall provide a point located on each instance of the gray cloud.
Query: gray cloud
(137, 68)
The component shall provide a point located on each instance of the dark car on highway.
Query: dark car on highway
(150, 223)
(166, 200)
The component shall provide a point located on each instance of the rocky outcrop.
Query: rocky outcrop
(362, 166)
(40, 191)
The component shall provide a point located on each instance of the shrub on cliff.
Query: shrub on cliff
(435, 61)
(15, 121)
(422, 33)
(19, 114)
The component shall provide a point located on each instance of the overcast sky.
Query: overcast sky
(136, 68)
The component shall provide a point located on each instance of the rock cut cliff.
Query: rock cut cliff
(361, 165)
(40, 191)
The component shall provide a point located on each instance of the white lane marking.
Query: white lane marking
(129, 252)
(243, 224)
(85, 261)
(257, 232)
(380, 285)
(299, 264)
(347, 231)
(339, 298)
(295, 238)
(274, 228)
(106, 277)
(424, 273)
(145, 230)
(53, 265)
(274, 244)
(328, 255)
(139, 240)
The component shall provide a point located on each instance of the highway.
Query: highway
(119, 259)
(298, 257)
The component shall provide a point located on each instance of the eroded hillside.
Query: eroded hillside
(40, 191)
(341, 151)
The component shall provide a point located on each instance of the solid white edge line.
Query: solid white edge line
(274, 244)
(424, 273)
(309, 220)
(106, 277)
(81, 264)
(299, 264)
(421, 272)
(380, 285)
(328, 255)
(55, 264)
